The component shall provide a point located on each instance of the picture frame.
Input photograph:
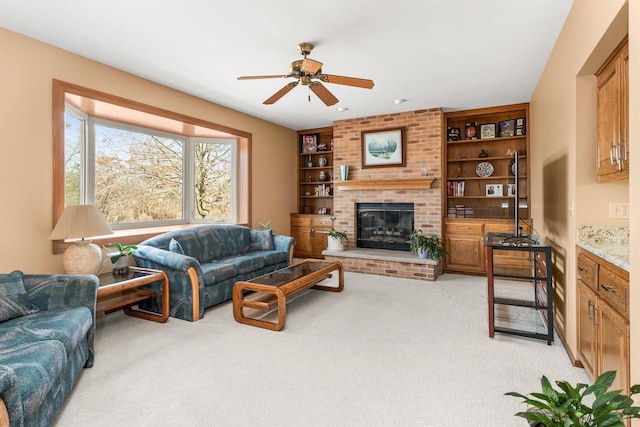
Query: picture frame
(453, 134)
(511, 190)
(507, 128)
(487, 131)
(494, 190)
(383, 148)
(309, 143)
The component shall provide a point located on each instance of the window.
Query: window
(144, 167)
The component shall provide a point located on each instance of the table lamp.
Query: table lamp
(80, 221)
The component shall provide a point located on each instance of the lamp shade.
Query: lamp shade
(80, 221)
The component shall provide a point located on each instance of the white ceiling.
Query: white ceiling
(454, 54)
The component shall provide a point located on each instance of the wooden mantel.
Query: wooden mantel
(385, 184)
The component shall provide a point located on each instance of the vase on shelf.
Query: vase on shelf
(322, 161)
(322, 176)
(310, 162)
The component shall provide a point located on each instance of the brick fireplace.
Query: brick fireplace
(418, 182)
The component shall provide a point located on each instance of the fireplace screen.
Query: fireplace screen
(384, 225)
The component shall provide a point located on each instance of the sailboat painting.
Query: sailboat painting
(383, 148)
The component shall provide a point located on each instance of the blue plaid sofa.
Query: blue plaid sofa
(47, 329)
(204, 262)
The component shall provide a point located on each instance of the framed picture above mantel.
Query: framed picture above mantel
(383, 148)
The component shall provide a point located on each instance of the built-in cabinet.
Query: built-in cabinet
(310, 233)
(613, 117)
(312, 222)
(478, 193)
(603, 318)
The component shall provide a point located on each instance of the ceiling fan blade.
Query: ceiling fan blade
(280, 76)
(323, 93)
(349, 81)
(282, 92)
(310, 66)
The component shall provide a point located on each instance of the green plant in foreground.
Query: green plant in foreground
(120, 251)
(565, 407)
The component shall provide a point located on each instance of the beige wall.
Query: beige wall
(28, 68)
(563, 144)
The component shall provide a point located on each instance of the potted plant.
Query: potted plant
(119, 258)
(426, 246)
(336, 240)
(565, 407)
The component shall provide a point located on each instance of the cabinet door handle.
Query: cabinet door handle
(618, 158)
(582, 269)
(611, 153)
(589, 312)
(607, 288)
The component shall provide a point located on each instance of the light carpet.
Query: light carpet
(384, 352)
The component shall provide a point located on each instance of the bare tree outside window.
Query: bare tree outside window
(213, 180)
(138, 177)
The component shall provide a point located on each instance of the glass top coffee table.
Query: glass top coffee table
(273, 289)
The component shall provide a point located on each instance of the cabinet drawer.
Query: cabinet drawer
(301, 222)
(587, 271)
(614, 290)
(322, 222)
(462, 228)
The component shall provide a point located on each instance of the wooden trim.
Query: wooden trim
(195, 290)
(386, 184)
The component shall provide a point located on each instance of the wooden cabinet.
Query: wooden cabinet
(603, 318)
(310, 233)
(480, 179)
(315, 171)
(463, 242)
(613, 117)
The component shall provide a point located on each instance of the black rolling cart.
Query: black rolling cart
(520, 289)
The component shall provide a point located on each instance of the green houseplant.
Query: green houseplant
(565, 407)
(426, 246)
(119, 258)
(336, 240)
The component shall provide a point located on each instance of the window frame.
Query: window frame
(135, 235)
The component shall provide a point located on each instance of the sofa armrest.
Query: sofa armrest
(11, 412)
(60, 291)
(284, 243)
(186, 283)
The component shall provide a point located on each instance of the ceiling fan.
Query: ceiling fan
(308, 72)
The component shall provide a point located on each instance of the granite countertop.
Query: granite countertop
(609, 243)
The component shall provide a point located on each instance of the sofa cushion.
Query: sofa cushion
(274, 257)
(14, 301)
(261, 240)
(68, 326)
(215, 272)
(38, 366)
(176, 247)
(251, 261)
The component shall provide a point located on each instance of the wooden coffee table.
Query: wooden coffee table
(272, 290)
(116, 292)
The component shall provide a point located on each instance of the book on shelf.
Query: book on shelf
(455, 188)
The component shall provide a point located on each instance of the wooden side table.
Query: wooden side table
(117, 292)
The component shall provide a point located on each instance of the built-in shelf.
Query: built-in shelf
(385, 184)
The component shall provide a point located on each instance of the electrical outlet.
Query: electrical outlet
(619, 210)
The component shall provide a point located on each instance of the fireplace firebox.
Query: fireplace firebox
(384, 225)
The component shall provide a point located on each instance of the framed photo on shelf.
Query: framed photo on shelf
(487, 131)
(383, 148)
(453, 134)
(494, 190)
(507, 128)
(309, 143)
(511, 190)
(521, 128)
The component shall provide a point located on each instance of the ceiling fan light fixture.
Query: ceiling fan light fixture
(341, 109)
(399, 101)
